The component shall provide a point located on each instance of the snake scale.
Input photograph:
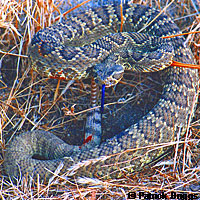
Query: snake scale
(123, 152)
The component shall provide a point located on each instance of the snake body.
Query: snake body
(169, 116)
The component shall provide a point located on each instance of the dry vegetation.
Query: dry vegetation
(28, 102)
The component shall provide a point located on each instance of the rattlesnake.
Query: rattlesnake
(123, 152)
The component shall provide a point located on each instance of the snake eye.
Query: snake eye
(114, 76)
(118, 72)
(118, 76)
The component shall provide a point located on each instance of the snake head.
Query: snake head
(108, 75)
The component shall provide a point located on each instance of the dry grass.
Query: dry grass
(29, 102)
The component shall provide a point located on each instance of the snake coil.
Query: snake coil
(169, 116)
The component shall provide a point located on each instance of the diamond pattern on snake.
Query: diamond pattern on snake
(90, 43)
